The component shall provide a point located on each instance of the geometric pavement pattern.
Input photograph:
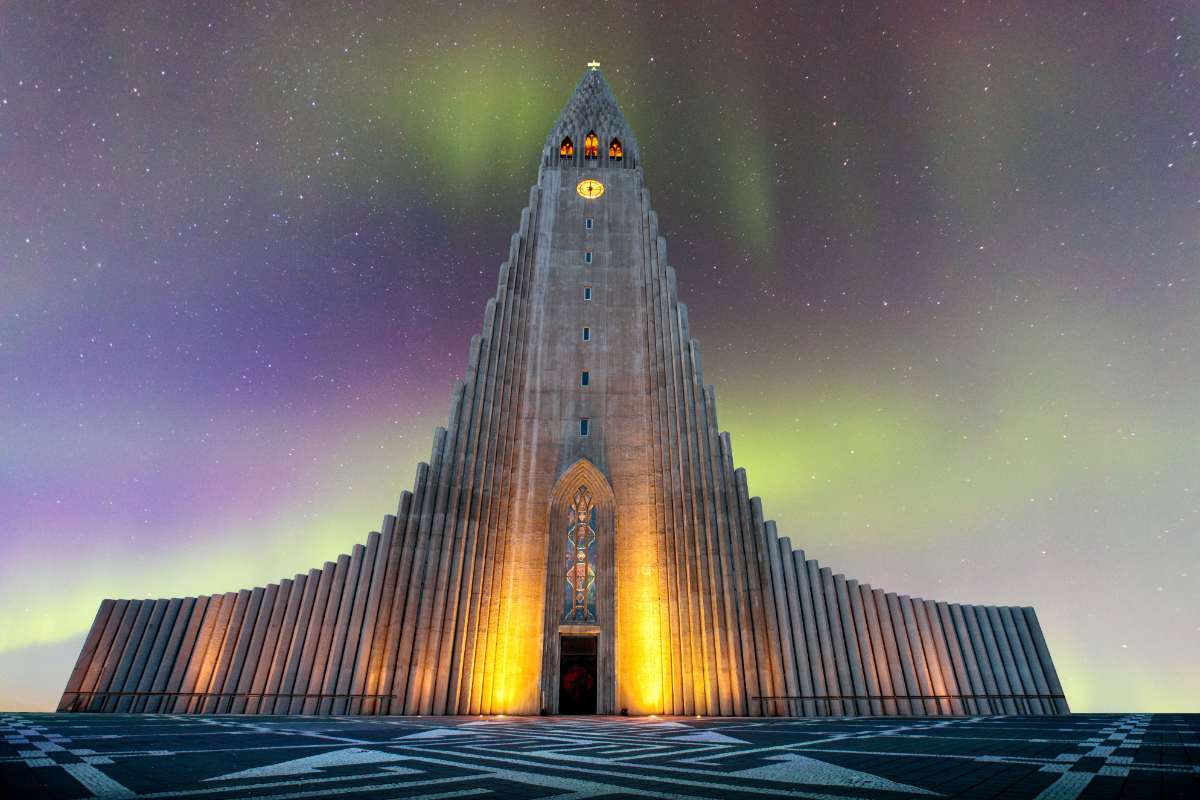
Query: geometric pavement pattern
(825, 758)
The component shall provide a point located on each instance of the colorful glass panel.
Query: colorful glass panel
(579, 600)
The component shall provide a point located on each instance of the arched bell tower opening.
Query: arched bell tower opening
(578, 641)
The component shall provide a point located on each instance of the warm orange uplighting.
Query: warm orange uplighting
(567, 148)
(591, 145)
(614, 150)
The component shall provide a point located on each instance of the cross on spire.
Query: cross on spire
(595, 65)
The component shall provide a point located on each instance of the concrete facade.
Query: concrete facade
(456, 606)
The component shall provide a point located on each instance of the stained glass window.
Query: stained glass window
(579, 602)
(591, 145)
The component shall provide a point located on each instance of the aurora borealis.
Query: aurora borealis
(941, 259)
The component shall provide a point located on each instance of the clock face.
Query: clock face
(590, 188)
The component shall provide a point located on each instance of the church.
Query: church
(580, 541)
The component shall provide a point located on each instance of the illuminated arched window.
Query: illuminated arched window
(614, 150)
(579, 599)
(591, 145)
(567, 148)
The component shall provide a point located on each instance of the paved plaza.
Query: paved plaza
(118, 756)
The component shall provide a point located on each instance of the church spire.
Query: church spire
(591, 130)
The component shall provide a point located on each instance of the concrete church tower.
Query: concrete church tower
(579, 541)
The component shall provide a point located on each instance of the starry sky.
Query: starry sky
(941, 257)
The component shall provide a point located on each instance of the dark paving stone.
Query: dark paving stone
(988, 758)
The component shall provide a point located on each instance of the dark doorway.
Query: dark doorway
(577, 675)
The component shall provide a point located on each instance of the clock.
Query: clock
(590, 188)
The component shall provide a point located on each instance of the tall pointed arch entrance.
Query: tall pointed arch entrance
(578, 641)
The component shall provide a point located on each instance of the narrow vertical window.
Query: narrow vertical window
(587, 334)
(587, 293)
(585, 378)
(584, 424)
(587, 257)
(567, 148)
(614, 150)
(591, 146)
(587, 223)
(580, 596)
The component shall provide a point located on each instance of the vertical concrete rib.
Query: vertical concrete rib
(722, 565)
(812, 640)
(372, 615)
(694, 639)
(887, 629)
(513, 296)
(995, 662)
(916, 650)
(105, 663)
(70, 696)
(327, 625)
(408, 664)
(689, 656)
(1024, 671)
(95, 667)
(850, 639)
(436, 679)
(880, 658)
(963, 677)
(187, 668)
(970, 650)
(790, 686)
(136, 653)
(908, 669)
(1007, 660)
(230, 630)
(945, 663)
(291, 643)
(245, 634)
(339, 626)
(974, 636)
(241, 676)
(837, 638)
(361, 611)
(305, 657)
(522, 254)
(774, 638)
(212, 653)
(656, 367)
(424, 490)
(796, 629)
(255, 702)
(173, 654)
(775, 548)
(833, 687)
(701, 588)
(1043, 653)
(154, 655)
(118, 668)
(937, 681)
(741, 586)
(863, 647)
(378, 679)
(448, 687)
(1029, 650)
(511, 311)
(678, 612)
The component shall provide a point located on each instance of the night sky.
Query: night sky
(941, 257)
